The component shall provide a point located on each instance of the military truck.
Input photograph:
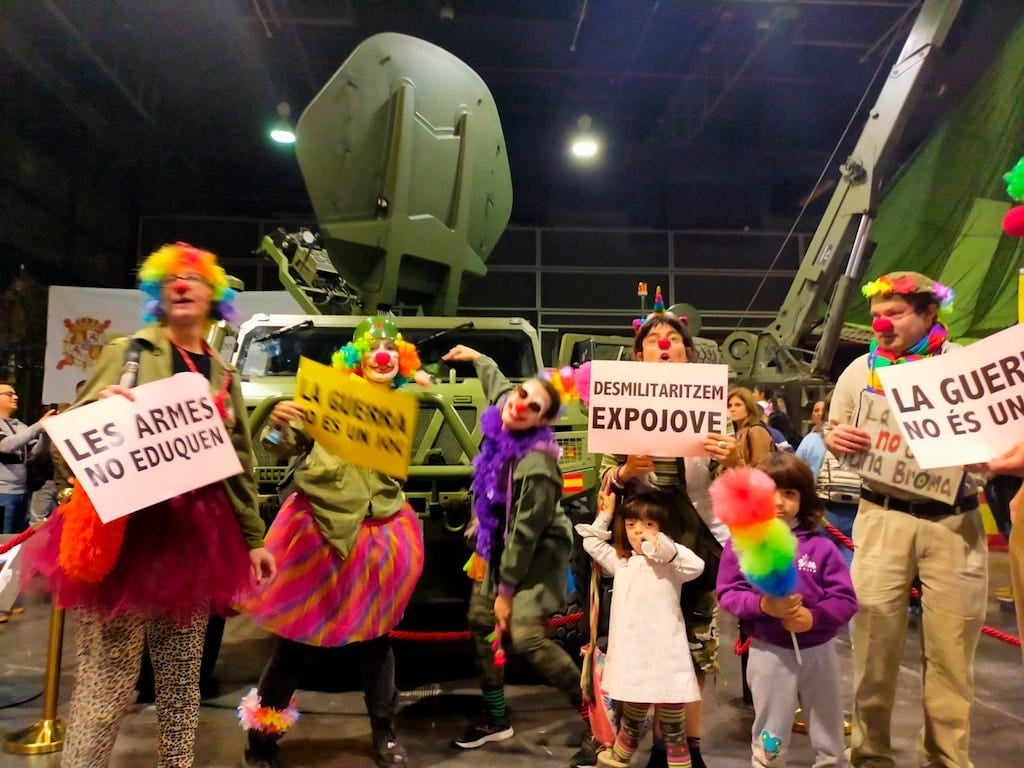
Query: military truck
(404, 158)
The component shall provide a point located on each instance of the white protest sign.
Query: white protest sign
(890, 461)
(659, 410)
(128, 455)
(963, 407)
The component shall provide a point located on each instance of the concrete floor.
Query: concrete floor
(334, 730)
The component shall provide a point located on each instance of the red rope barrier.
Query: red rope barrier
(914, 593)
(454, 637)
(7, 546)
(992, 632)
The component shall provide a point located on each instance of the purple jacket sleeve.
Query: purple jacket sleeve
(735, 593)
(839, 603)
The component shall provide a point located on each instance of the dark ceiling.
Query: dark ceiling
(695, 98)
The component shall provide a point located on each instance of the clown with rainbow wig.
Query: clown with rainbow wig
(350, 552)
(902, 536)
(155, 576)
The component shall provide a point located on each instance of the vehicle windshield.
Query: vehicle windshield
(592, 349)
(510, 349)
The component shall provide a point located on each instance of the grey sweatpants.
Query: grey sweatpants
(777, 684)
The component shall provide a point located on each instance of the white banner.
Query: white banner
(890, 461)
(659, 410)
(129, 455)
(963, 407)
(79, 321)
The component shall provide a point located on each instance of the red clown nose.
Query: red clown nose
(664, 343)
(882, 325)
(382, 358)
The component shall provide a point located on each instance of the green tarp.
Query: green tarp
(942, 214)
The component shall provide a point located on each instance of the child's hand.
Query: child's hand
(799, 620)
(659, 548)
(606, 499)
(780, 607)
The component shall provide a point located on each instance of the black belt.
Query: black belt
(920, 508)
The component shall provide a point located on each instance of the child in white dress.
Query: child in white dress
(647, 662)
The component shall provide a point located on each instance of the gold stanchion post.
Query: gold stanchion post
(47, 734)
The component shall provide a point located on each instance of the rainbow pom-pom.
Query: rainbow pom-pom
(744, 499)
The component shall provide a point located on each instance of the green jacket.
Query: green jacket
(155, 363)
(535, 557)
(342, 495)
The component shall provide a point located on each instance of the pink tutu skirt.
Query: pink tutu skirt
(320, 599)
(179, 557)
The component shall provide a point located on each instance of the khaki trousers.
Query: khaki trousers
(950, 556)
(1017, 570)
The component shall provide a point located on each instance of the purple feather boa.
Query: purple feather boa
(500, 451)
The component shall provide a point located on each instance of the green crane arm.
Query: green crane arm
(834, 262)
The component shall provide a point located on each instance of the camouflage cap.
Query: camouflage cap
(376, 327)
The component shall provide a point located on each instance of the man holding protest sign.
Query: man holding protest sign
(154, 575)
(664, 338)
(348, 545)
(903, 533)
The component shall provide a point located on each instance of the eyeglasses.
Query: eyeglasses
(532, 405)
(191, 279)
(10, 393)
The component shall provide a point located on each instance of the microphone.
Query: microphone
(130, 369)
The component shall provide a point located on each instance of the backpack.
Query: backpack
(38, 465)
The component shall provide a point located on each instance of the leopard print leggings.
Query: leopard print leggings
(109, 656)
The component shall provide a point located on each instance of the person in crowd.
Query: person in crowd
(901, 536)
(779, 678)
(752, 435)
(782, 431)
(17, 440)
(765, 400)
(644, 666)
(44, 499)
(349, 549)
(179, 559)
(837, 486)
(523, 540)
(812, 447)
(664, 338)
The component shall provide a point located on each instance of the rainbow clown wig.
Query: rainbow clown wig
(175, 259)
(907, 283)
(350, 357)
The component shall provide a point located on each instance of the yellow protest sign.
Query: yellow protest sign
(356, 421)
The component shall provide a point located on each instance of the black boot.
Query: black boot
(261, 750)
(658, 758)
(387, 750)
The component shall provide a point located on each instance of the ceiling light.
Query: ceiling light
(584, 148)
(282, 131)
(584, 144)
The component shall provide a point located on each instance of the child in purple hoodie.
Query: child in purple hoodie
(824, 602)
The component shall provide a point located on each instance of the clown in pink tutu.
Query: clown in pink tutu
(350, 552)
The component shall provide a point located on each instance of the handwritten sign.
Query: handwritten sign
(890, 461)
(129, 455)
(363, 424)
(660, 410)
(963, 407)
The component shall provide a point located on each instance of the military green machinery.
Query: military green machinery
(404, 158)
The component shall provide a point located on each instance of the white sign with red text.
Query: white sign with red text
(657, 409)
(128, 455)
